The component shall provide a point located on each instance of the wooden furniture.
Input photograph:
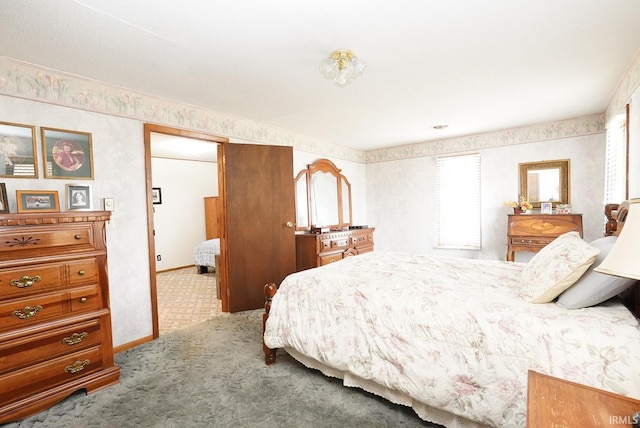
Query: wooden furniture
(553, 402)
(212, 217)
(532, 232)
(55, 325)
(323, 197)
(314, 250)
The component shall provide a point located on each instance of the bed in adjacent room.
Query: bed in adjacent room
(455, 338)
(205, 253)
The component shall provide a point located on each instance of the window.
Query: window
(615, 172)
(458, 202)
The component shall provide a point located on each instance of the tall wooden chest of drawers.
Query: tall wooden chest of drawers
(55, 322)
(313, 250)
(532, 232)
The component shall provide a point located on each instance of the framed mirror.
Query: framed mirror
(546, 181)
(323, 197)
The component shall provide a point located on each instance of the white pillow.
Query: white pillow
(595, 287)
(556, 267)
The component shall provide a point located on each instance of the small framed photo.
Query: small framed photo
(37, 201)
(546, 208)
(156, 195)
(4, 202)
(79, 197)
(67, 154)
(18, 151)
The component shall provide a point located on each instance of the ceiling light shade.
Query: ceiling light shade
(342, 67)
(623, 259)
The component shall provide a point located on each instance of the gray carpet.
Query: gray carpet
(213, 375)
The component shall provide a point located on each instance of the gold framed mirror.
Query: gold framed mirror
(546, 181)
(323, 197)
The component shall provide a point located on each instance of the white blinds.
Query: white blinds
(458, 202)
(616, 161)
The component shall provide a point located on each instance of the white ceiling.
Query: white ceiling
(476, 66)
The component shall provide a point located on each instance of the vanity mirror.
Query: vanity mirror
(323, 197)
(546, 181)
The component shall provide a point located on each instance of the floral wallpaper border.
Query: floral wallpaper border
(25, 80)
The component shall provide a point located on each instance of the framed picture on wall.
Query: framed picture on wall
(156, 195)
(546, 208)
(37, 201)
(78, 197)
(4, 202)
(18, 151)
(67, 154)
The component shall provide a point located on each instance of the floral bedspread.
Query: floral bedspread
(449, 332)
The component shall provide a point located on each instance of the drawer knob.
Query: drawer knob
(81, 272)
(78, 236)
(26, 281)
(27, 312)
(75, 338)
(76, 367)
(83, 300)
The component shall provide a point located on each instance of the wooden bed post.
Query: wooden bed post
(269, 291)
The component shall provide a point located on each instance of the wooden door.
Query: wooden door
(257, 231)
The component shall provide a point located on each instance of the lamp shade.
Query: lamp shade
(624, 258)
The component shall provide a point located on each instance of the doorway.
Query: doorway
(149, 131)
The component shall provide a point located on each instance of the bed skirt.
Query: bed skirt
(424, 411)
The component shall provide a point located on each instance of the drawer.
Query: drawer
(55, 239)
(24, 312)
(525, 240)
(49, 374)
(330, 258)
(18, 313)
(27, 350)
(365, 249)
(27, 280)
(83, 271)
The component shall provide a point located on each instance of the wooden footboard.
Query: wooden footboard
(269, 291)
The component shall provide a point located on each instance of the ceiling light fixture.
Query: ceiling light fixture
(342, 67)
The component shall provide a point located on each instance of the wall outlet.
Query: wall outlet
(158, 257)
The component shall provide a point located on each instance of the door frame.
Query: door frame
(150, 128)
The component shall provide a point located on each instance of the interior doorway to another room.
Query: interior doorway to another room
(181, 169)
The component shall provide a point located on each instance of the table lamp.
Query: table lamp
(624, 258)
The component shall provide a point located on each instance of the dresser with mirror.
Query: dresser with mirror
(324, 218)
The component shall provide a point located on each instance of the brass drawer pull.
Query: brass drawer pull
(75, 338)
(27, 312)
(76, 367)
(26, 281)
(78, 236)
(81, 272)
(83, 300)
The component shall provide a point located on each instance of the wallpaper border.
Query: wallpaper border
(30, 81)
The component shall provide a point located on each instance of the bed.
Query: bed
(205, 253)
(455, 338)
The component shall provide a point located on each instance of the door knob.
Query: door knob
(289, 224)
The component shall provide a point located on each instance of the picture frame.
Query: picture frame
(79, 197)
(18, 157)
(156, 195)
(37, 201)
(546, 208)
(4, 202)
(67, 154)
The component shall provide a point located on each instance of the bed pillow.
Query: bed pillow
(595, 287)
(556, 267)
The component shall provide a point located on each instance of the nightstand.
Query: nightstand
(553, 402)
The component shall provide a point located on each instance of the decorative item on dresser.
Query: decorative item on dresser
(314, 250)
(532, 232)
(55, 322)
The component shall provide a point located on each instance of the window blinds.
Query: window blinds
(458, 202)
(615, 161)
